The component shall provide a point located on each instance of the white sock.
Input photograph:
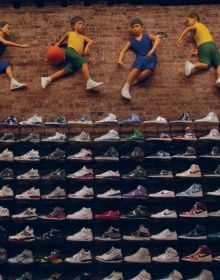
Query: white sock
(127, 86)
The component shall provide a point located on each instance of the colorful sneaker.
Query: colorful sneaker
(53, 234)
(85, 234)
(202, 254)
(32, 155)
(6, 193)
(28, 214)
(25, 257)
(199, 232)
(34, 120)
(166, 234)
(141, 256)
(214, 134)
(32, 174)
(165, 214)
(109, 215)
(110, 194)
(81, 257)
(26, 235)
(54, 257)
(58, 214)
(57, 194)
(210, 118)
(142, 275)
(109, 174)
(195, 190)
(83, 193)
(204, 275)
(198, 210)
(188, 136)
(112, 135)
(193, 171)
(84, 119)
(110, 155)
(57, 137)
(174, 275)
(82, 174)
(136, 135)
(7, 155)
(134, 119)
(82, 214)
(30, 194)
(140, 212)
(111, 118)
(82, 137)
(83, 155)
(112, 234)
(138, 193)
(114, 255)
(141, 234)
(169, 256)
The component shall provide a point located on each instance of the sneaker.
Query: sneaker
(214, 153)
(32, 174)
(58, 174)
(112, 135)
(25, 257)
(138, 173)
(3, 256)
(53, 258)
(81, 257)
(214, 173)
(141, 256)
(140, 212)
(157, 120)
(58, 214)
(82, 137)
(214, 193)
(58, 155)
(32, 155)
(30, 194)
(216, 258)
(138, 193)
(166, 234)
(7, 155)
(82, 214)
(125, 93)
(193, 171)
(214, 134)
(82, 174)
(83, 193)
(165, 137)
(174, 275)
(57, 137)
(169, 256)
(165, 214)
(4, 213)
(198, 210)
(83, 155)
(53, 234)
(190, 153)
(3, 234)
(110, 194)
(84, 119)
(159, 155)
(188, 68)
(143, 275)
(136, 154)
(26, 235)
(34, 120)
(114, 255)
(33, 137)
(163, 194)
(141, 234)
(136, 135)
(25, 276)
(110, 155)
(10, 120)
(202, 254)
(58, 120)
(85, 234)
(28, 214)
(114, 276)
(197, 233)
(134, 119)
(45, 81)
(57, 193)
(7, 138)
(211, 118)
(188, 136)
(214, 213)
(162, 174)
(90, 84)
(109, 174)
(184, 118)
(195, 190)
(16, 85)
(111, 118)
(204, 275)
(112, 234)
(109, 215)
(6, 174)
(6, 192)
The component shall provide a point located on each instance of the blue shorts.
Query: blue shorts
(145, 63)
(3, 65)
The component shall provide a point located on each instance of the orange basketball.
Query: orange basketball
(55, 55)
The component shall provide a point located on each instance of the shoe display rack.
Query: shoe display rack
(131, 207)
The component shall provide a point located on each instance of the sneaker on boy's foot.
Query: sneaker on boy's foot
(45, 81)
(217, 83)
(125, 93)
(188, 68)
(16, 85)
(92, 84)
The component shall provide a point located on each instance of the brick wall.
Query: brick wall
(168, 93)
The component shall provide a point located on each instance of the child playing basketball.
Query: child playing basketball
(77, 46)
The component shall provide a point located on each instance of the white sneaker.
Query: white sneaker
(45, 81)
(26, 235)
(84, 173)
(214, 193)
(32, 174)
(175, 275)
(32, 155)
(125, 93)
(213, 135)
(81, 257)
(34, 120)
(83, 155)
(204, 275)
(4, 212)
(143, 275)
(112, 256)
(6, 155)
(28, 214)
(169, 256)
(217, 83)
(112, 135)
(111, 118)
(163, 194)
(188, 68)
(57, 137)
(158, 120)
(6, 192)
(57, 193)
(83, 193)
(110, 194)
(92, 84)
(193, 171)
(82, 214)
(166, 214)
(85, 234)
(214, 213)
(108, 174)
(31, 193)
(141, 256)
(211, 118)
(114, 276)
(25, 257)
(165, 235)
(82, 137)
(16, 85)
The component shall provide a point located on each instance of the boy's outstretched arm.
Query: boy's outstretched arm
(89, 42)
(155, 45)
(185, 31)
(122, 54)
(62, 39)
(12, 44)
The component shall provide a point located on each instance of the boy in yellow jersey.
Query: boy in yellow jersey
(77, 46)
(208, 53)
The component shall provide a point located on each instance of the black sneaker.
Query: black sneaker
(58, 154)
(55, 276)
(162, 174)
(53, 234)
(112, 234)
(33, 137)
(3, 255)
(8, 137)
(59, 120)
(214, 153)
(25, 276)
(190, 153)
(140, 212)
(185, 117)
(83, 276)
(58, 174)
(137, 153)
(110, 155)
(3, 233)
(6, 174)
(138, 173)
(159, 155)
(217, 170)
(10, 120)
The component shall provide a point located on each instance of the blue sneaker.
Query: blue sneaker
(195, 190)
(199, 232)
(133, 119)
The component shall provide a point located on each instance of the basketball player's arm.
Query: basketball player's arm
(122, 54)
(89, 42)
(156, 41)
(62, 39)
(183, 34)
(12, 44)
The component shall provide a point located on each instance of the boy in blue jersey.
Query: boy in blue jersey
(145, 61)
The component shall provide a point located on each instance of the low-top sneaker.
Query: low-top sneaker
(26, 235)
(82, 214)
(166, 234)
(25, 257)
(6, 155)
(57, 193)
(199, 232)
(82, 137)
(211, 117)
(30, 194)
(32, 155)
(85, 234)
(188, 68)
(166, 174)
(110, 155)
(140, 212)
(141, 234)
(195, 190)
(82, 155)
(198, 210)
(110, 194)
(114, 255)
(82, 174)
(57, 137)
(34, 120)
(163, 194)
(165, 214)
(109, 174)
(81, 257)
(138, 193)
(83, 193)
(169, 256)
(58, 213)
(111, 118)
(32, 174)
(112, 135)
(111, 234)
(193, 171)
(141, 256)
(28, 214)
(202, 254)
(134, 119)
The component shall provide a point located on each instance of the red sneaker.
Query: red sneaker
(203, 254)
(109, 215)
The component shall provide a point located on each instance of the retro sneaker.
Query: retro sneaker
(165, 214)
(109, 174)
(162, 155)
(7, 174)
(25, 257)
(81, 257)
(111, 234)
(141, 234)
(202, 254)
(214, 213)
(190, 153)
(84, 119)
(138, 173)
(112, 135)
(82, 155)
(198, 210)
(184, 118)
(58, 174)
(109, 215)
(193, 171)
(114, 255)
(110, 194)
(30, 194)
(53, 234)
(6, 155)
(135, 135)
(162, 174)
(58, 120)
(140, 212)
(174, 275)
(10, 120)
(169, 256)
(85, 234)
(3, 234)
(57, 194)
(33, 137)
(57, 154)
(204, 275)
(4, 212)
(138, 193)
(110, 155)
(199, 232)
(32, 174)
(111, 118)
(114, 276)
(83, 193)
(141, 256)
(214, 153)
(195, 190)
(134, 119)
(32, 155)
(6, 192)
(136, 154)
(7, 138)
(214, 134)
(26, 235)
(25, 276)
(166, 234)
(214, 193)
(28, 214)
(82, 137)
(54, 258)
(214, 173)
(58, 214)
(142, 275)
(3, 255)
(211, 117)
(82, 214)
(82, 174)
(163, 194)
(188, 136)
(34, 120)
(57, 137)
(157, 120)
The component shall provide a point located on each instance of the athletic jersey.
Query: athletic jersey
(2, 48)
(142, 47)
(202, 34)
(76, 41)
